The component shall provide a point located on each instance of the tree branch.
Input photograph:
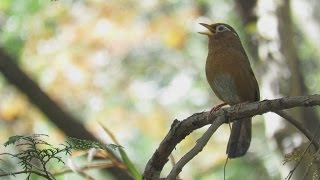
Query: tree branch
(180, 129)
(201, 142)
(296, 123)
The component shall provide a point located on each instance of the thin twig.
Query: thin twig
(113, 137)
(307, 171)
(303, 154)
(86, 167)
(225, 164)
(23, 172)
(114, 159)
(77, 170)
(201, 142)
(296, 124)
(225, 168)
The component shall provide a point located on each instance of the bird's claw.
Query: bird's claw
(216, 108)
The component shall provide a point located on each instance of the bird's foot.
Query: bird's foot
(216, 108)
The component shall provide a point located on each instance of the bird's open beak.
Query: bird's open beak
(210, 30)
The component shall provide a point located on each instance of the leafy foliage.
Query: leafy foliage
(80, 144)
(297, 154)
(34, 149)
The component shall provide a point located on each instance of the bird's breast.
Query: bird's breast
(230, 77)
(225, 88)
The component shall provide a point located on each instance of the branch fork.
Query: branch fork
(180, 129)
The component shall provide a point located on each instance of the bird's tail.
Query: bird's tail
(240, 138)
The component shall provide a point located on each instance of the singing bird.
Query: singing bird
(231, 78)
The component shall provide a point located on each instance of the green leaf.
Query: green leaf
(12, 140)
(131, 167)
(114, 146)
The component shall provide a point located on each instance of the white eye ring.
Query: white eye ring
(222, 28)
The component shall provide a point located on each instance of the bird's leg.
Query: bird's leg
(216, 108)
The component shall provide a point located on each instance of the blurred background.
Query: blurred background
(135, 66)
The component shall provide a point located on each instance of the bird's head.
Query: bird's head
(218, 30)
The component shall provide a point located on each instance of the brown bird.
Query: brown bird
(231, 78)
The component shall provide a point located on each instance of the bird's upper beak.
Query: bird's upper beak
(210, 30)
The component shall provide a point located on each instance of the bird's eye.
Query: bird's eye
(222, 28)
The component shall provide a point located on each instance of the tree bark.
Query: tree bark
(180, 129)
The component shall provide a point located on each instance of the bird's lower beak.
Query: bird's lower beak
(210, 30)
